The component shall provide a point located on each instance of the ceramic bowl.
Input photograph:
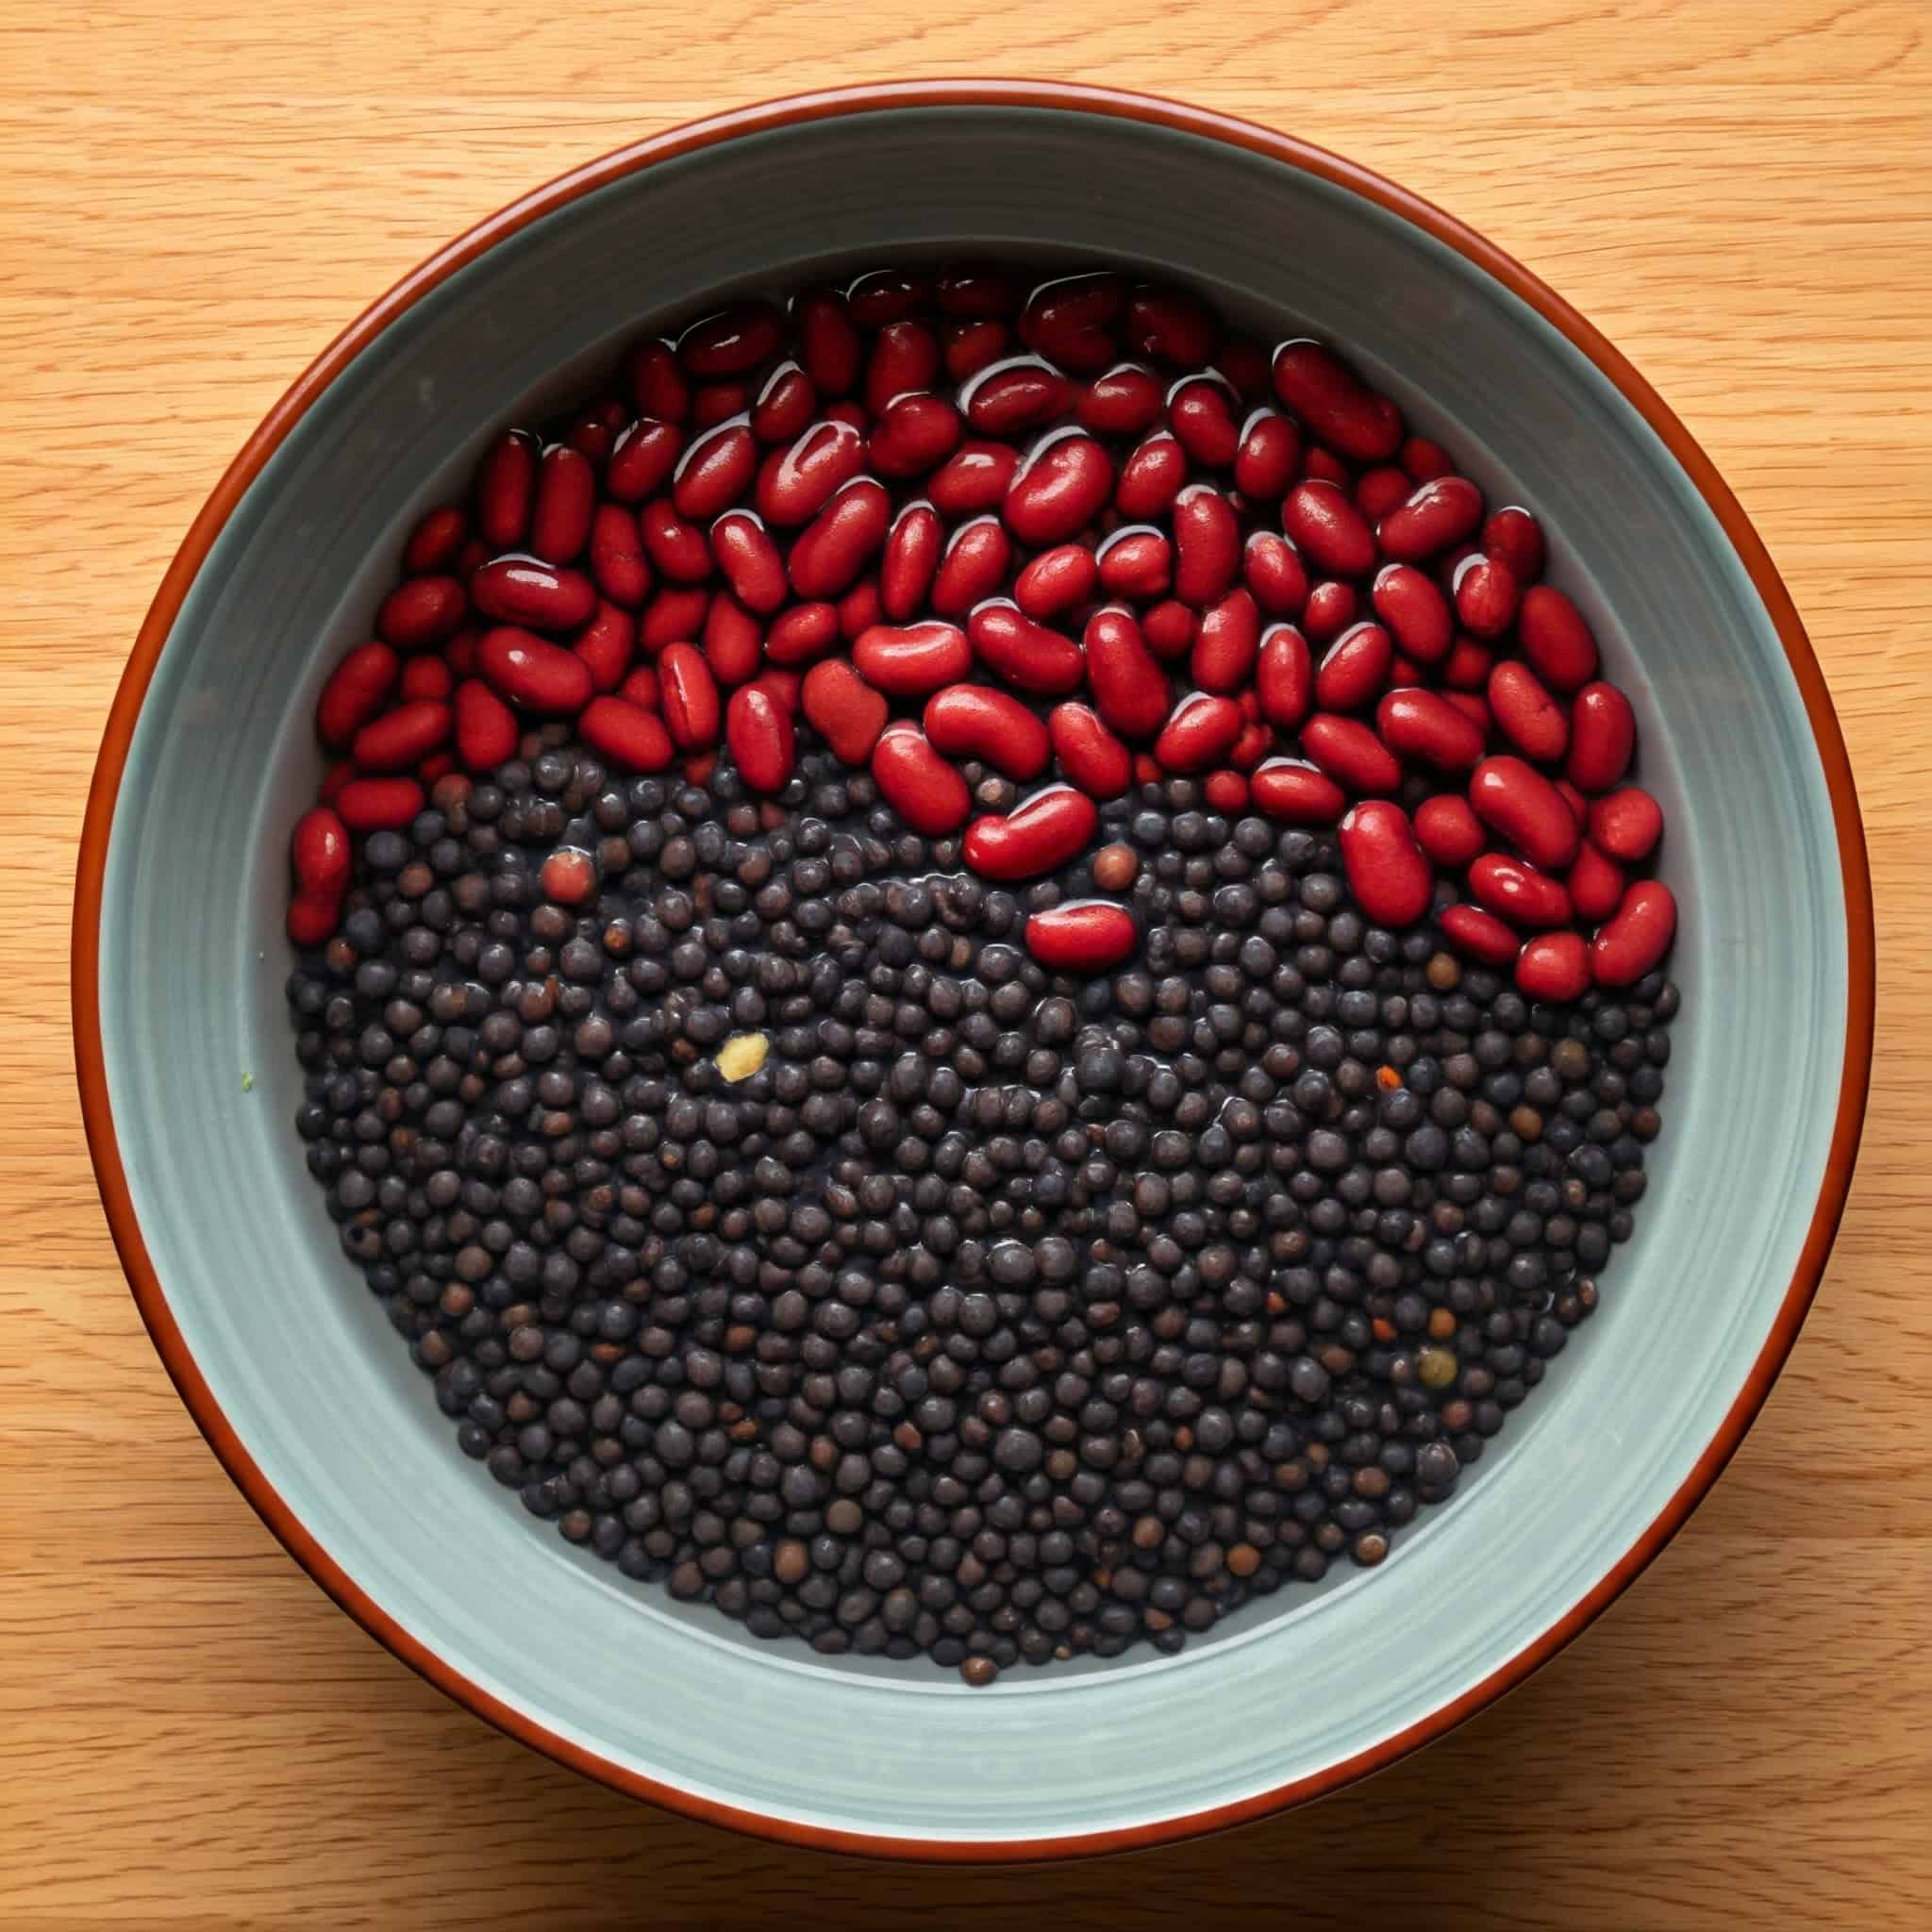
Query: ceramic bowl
(190, 1083)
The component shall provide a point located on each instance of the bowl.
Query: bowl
(190, 1087)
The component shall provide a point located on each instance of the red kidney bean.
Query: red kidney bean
(744, 551)
(436, 542)
(1226, 792)
(1636, 937)
(1525, 713)
(1472, 707)
(1057, 580)
(1172, 326)
(716, 470)
(831, 349)
(1136, 561)
(1602, 734)
(1418, 723)
(733, 340)
(1129, 687)
(911, 558)
(1246, 364)
(1351, 754)
(1415, 610)
(1467, 666)
(733, 642)
(784, 686)
(905, 359)
(911, 661)
(926, 791)
(1039, 835)
(974, 478)
(888, 294)
(421, 612)
(795, 482)
(1518, 891)
(379, 805)
(639, 687)
(1448, 830)
(1330, 608)
(1479, 934)
(676, 616)
(859, 609)
(1595, 884)
(1517, 801)
(655, 382)
(530, 672)
(783, 410)
(1387, 872)
(319, 852)
(1355, 668)
(1126, 400)
(1296, 792)
(1208, 544)
(832, 550)
(566, 494)
(619, 567)
(802, 634)
(435, 769)
(1515, 539)
(1328, 529)
(593, 430)
(978, 290)
(1332, 400)
(1023, 653)
(689, 695)
(1487, 594)
(676, 548)
(1284, 677)
(1271, 568)
(1089, 752)
(718, 403)
(607, 644)
(1378, 491)
(1424, 458)
(1058, 489)
(1251, 747)
(486, 727)
(1084, 936)
(1403, 670)
(1016, 396)
(626, 735)
(1226, 643)
(460, 654)
(1579, 806)
(1151, 478)
(916, 433)
(972, 568)
(643, 458)
(1626, 823)
(1554, 966)
(757, 727)
(1201, 414)
(425, 677)
(1436, 514)
(506, 487)
(1069, 321)
(355, 692)
(967, 347)
(1169, 628)
(1268, 456)
(1554, 638)
(1200, 731)
(541, 596)
(1322, 466)
(974, 721)
(845, 712)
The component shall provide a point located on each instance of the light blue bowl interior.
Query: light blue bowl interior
(319, 1388)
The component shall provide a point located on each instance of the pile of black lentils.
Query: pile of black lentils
(984, 1315)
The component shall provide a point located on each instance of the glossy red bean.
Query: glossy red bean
(976, 722)
(1487, 594)
(1331, 607)
(732, 341)
(926, 791)
(1518, 891)
(744, 551)
(1579, 806)
(905, 359)
(831, 349)
(1058, 489)
(676, 616)
(460, 654)
(1602, 734)
(1207, 544)
(1129, 687)
(909, 661)
(1556, 639)
(1472, 707)
(829, 553)
(1519, 802)
(1057, 580)
(1172, 326)
(642, 460)
(1226, 792)
(1151, 478)
(1084, 936)
(1425, 459)
(802, 634)
(785, 686)
(1479, 934)
(1201, 414)
(916, 433)
(1351, 754)
(379, 805)
(1200, 731)
(972, 568)
(436, 541)
(1554, 966)
(757, 727)
(1328, 396)
(1272, 571)
(655, 383)
(795, 482)
(486, 727)
(1418, 723)
(845, 712)
(1268, 458)
(1089, 752)
(1514, 538)
(1296, 792)
(716, 470)
(733, 645)
(687, 695)
(1355, 669)
(639, 687)
(1251, 746)
(783, 410)
(533, 674)
(434, 768)
(1136, 562)
(1226, 643)
(910, 561)
(1525, 713)
(1071, 321)
(607, 645)
(420, 612)
(1322, 466)
(425, 677)
(859, 609)
(506, 489)
(1284, 677)
(1387, 872)
(626, 735)
(677, 547)
(980, 291)
(1467, 666)
(565, 497)
(1016, 397)
(1415, 611)
(1595, 884)
(1626, 823)
(1126, 400)
(1327, 529)
(1435, 515)
(1378, 491)
(1039, 835)
(541, 596)
(356, 691)
(1448, 830)
(1637, 936)
(319, 852)
(976, 477)
(1007, 640)
(619, 567)
(1169, 628)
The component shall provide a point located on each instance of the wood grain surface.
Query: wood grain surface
(195, 195)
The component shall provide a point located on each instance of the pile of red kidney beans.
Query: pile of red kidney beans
(1076, 529)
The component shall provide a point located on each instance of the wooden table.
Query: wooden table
(198, 195)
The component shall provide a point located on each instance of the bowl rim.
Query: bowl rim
(791, 110)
